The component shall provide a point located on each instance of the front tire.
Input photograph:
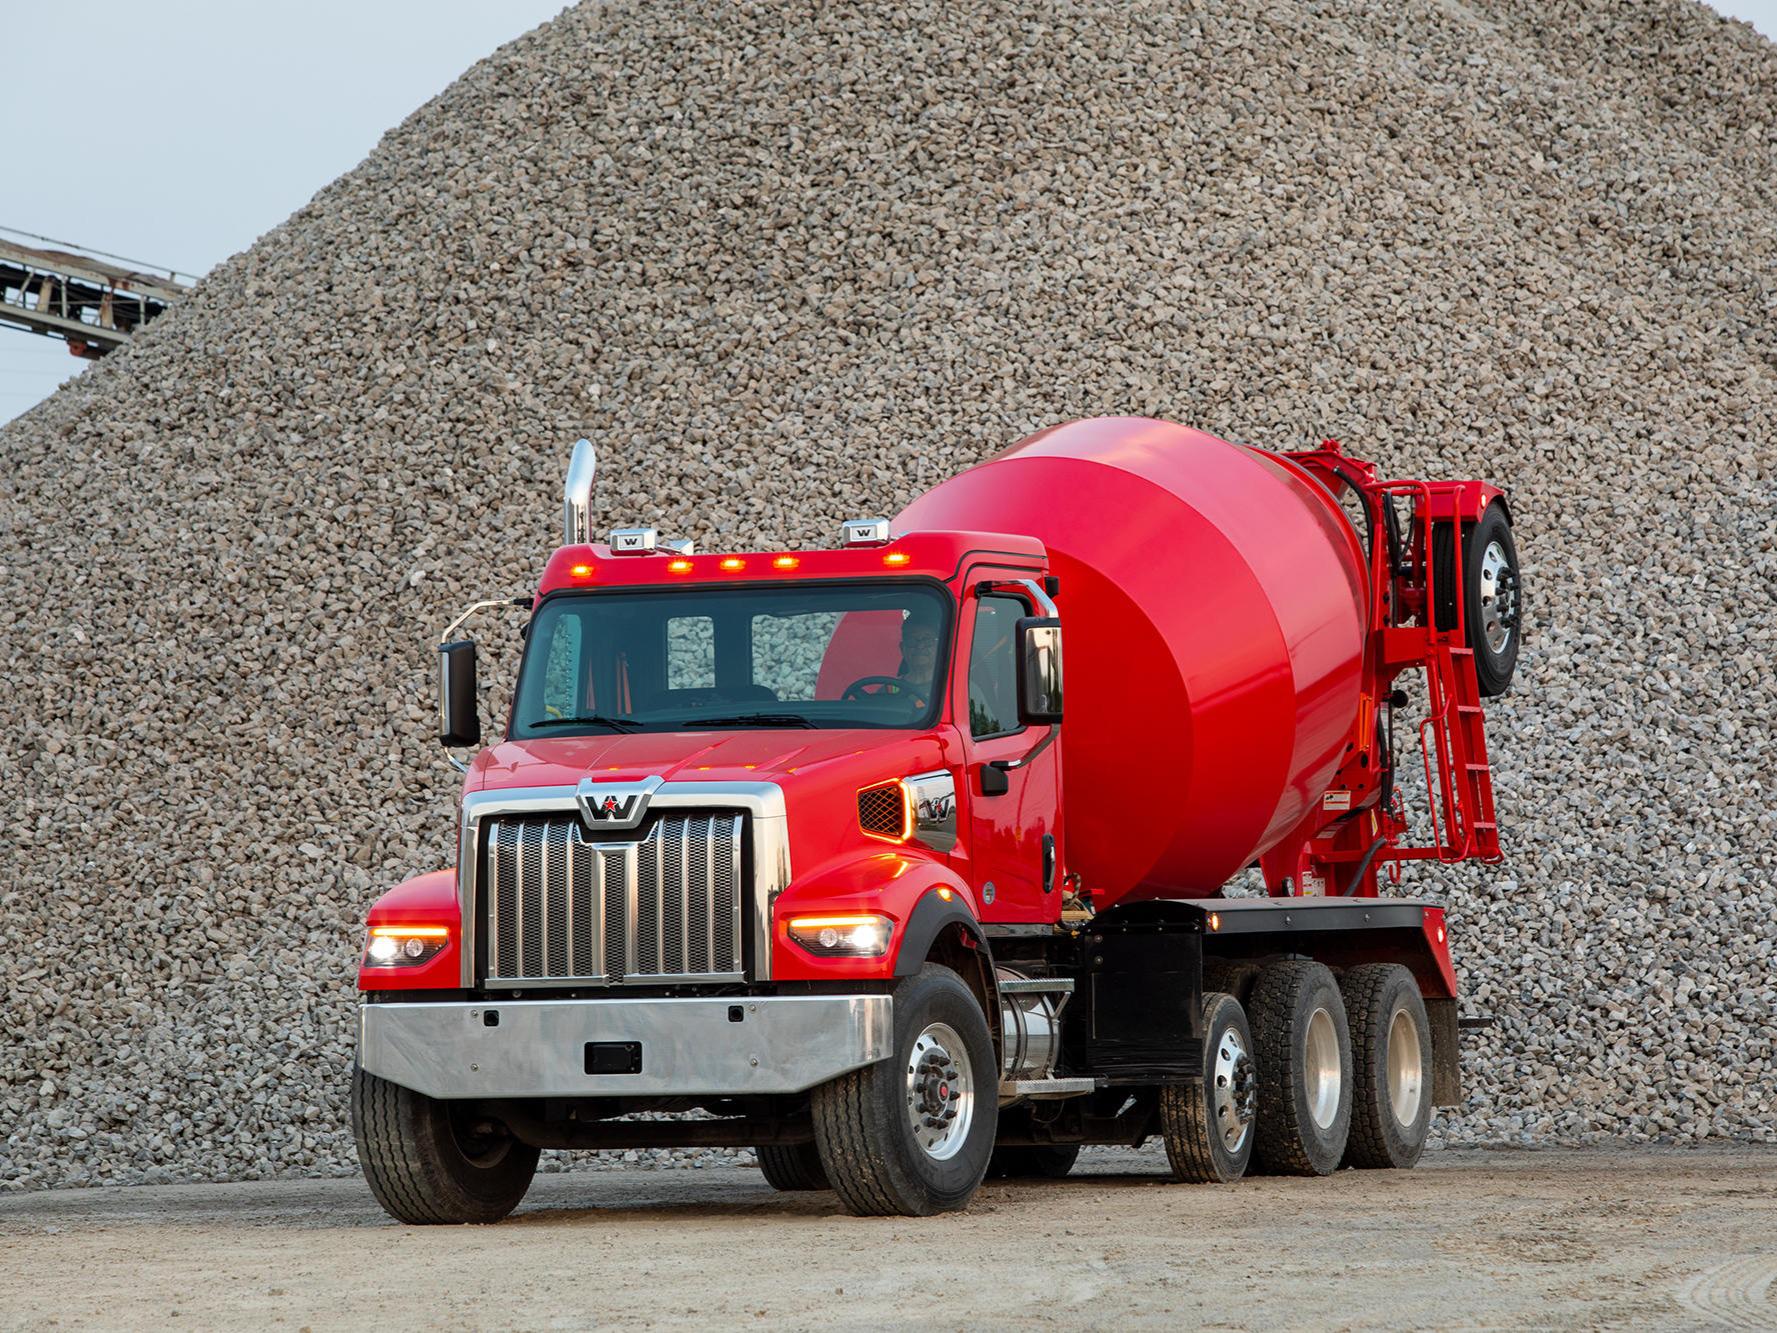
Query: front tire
(1391, 1055)
(912, 1135)
(792, 1167)
(1304, 1059)
(429, 1161)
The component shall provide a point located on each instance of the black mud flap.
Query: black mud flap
(1446, 1054)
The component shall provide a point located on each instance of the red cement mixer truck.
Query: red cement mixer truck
(825, 845)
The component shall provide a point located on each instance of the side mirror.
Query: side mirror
(459, 720)
(1039, 671)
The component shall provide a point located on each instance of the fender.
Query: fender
(908, 887)
(429, 899)
(932, 915)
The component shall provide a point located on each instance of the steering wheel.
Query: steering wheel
(858, 689)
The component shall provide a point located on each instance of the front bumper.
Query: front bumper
(538, 1048)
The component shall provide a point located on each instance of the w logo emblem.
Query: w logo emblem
(615, 806)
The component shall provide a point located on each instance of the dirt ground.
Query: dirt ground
(1667, 1239)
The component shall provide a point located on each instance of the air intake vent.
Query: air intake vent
(882, 811)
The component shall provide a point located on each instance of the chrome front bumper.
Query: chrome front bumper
(538, 1048)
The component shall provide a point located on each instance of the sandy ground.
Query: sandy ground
(1668, 1239)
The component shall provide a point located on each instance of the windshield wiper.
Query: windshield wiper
(748, 720)
(591, 720)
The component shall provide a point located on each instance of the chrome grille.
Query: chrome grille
(563, 907)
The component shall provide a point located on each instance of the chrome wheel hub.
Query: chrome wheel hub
(1324, 1078)
(940, 1091)
(1499, 598)
(1233, 1091)
(1406, 1073)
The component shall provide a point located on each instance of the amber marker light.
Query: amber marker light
(946, 894)
(785, 562)
(733, 564)
(1215, 920)
(678, 566)
(581, 571)
(885, 811)
(896, 558)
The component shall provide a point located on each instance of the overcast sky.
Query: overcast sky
(244, 110)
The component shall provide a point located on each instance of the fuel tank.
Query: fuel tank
(1214, 602)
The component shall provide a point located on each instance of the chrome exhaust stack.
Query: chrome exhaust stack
(576, 494)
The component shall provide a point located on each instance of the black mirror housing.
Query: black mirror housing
(1039, 671)
(459, 718)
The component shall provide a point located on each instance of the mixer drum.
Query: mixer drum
(1214, 599)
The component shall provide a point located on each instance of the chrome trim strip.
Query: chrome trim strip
(762, 801)
(783, 1044)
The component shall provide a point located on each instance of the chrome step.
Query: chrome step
(1038, 986)
(1047, 1087)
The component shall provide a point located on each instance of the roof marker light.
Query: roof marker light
(864, 532)
(896, 558)
(733, 564)
(785, 562)
(581, 571)
(678, 566)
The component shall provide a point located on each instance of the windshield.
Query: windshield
(836, 655)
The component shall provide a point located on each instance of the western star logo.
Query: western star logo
(612, 805)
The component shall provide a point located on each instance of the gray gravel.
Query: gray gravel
(786, 264)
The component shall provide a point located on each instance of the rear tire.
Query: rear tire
(1047, 1161)
(1391, 1058)
(1304, 1060)
(429, 1161)
(794, 1166)
(912, 1134)
(1207, 1125)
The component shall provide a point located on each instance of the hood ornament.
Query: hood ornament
(616, 805)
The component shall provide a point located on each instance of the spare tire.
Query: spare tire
(1492, 594)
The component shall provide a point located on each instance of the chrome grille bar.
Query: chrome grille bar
(561, 907)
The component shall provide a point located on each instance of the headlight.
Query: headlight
(404, 946)
(858, 936)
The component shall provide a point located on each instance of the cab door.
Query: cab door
(1011, 799)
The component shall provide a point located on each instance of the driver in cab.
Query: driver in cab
(919, 657)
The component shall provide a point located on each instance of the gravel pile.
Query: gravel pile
(787, 264)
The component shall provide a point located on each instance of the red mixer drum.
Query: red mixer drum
(1214, 598)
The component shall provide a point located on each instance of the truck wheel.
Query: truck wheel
(1052, 1161)
(794, 1166)
(1492, 593)
(1391, 1059)
(911, 1135)
(1493, 599)
(1304, 1060)
(1208, 1126)
(429, 1161)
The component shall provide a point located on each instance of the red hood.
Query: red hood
(862, 755)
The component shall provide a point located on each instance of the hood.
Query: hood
(790, 758)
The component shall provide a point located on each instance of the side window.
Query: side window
(690, 653)
(993, 667)
(561, 669)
